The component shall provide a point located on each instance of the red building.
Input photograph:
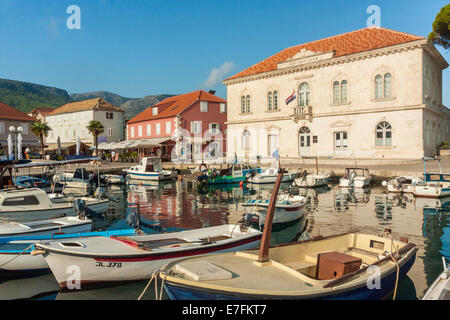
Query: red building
(187, 126)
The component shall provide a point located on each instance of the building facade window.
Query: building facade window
(140, 131)
(155, 111)
(269, 101)
(168, 127)
(272, 100)
(109, 132)
(109, 115)
(383, 86)
(223, 107)
(245, 140)
(340, 92)
(196, 127)
(149, 130)
(304, 94)
(2, 127)
(203, 106)
(383, 134)
(132, 132)
(245, 104)
(214, 127)
(158, 128)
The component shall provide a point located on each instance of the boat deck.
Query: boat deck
(293, 276)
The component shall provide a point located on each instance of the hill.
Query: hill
(26, 96)
(131, 106)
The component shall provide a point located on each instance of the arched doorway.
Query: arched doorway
(304, 141)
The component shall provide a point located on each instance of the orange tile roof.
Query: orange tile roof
(42, 110)
(175, 105)
(343, 44)
(90, 104)
(9, 113)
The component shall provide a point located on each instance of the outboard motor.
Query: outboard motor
(303, 175)
(79, 205)
(351, 178)
(134, 220)
(100, 192)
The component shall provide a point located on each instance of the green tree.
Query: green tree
(40, 129)
(441, 29)
(95, 128)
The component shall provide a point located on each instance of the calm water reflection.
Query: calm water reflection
(331, 210)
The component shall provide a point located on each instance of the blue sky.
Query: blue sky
(136, 47)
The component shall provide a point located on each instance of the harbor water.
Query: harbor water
(180, 204)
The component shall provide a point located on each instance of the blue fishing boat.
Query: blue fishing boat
(352, 266)
(32, 182)
(235, 174)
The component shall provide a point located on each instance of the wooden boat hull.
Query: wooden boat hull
(150, 176)
(261, 178)
(111, 266)
(311, 182)
(348, 266)
(26, 264)
(431, 191)
(179, 292)
(440, 289)
(357, 183)
(282, 215)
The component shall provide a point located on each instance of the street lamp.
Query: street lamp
(15, 132)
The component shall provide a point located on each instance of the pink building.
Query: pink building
(195, 120)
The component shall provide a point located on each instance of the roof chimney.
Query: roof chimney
(212, 91)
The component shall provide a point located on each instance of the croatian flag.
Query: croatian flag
(291, 97)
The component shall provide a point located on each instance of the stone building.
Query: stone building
(71, 120)
(370, 93)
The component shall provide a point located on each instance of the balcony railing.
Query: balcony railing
(302, 113)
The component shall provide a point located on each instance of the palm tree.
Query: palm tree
(95, 128)
(40, 129)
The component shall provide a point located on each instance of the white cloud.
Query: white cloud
(217, 74)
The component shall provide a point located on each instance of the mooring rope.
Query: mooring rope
(154, 276)
(398, 274)
(1, 265)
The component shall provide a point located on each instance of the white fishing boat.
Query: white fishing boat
(34, 204)
(77, 182)
(355, 178)
(106, 259)
(403, 184)
(270, 175)
(43, 227)
(287, 208)
(312, 180)
(440, 289)
(150, 168)
(113, 179)
(17, 258)
(434, 185)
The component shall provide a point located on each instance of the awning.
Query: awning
(147, 143)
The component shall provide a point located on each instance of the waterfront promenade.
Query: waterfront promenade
(379, 168)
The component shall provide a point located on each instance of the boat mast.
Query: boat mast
(265, 240)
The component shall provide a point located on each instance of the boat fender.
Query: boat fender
(384, 183)
(37, 252)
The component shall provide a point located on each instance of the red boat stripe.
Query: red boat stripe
(179, 254)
